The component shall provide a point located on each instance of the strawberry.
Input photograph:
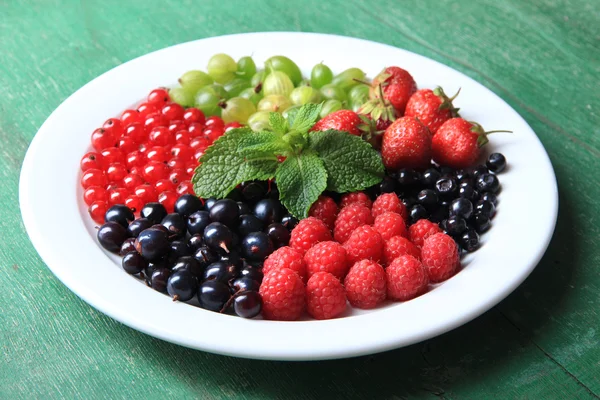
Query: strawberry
(458, 142)
(397, 86)
(431, 107)
(342, 120)
(406, 144)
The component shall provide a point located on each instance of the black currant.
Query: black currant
(220, 271)
(155, 212)
(235, 195)
(179, 248)
(213, 295)
(195, 242)
(289, 221)
(491, 197)
(456, 225)
(278, 234)
(417, 212)
(430, 177)
(176, 224)
(243, 283)
(486, 208)
(187, 204)
(197, 221)
(138, 225)
(208, 203)
(127, 247)
(120, 214)
(250, 223)
(252, 273)
(407, 177)
(182, 285)
(482, 222)
(253, 191)
(244, 209)
(487, 183)
(469, 240)
(461, 207)
(218, 237)
(111, 236)
(427, 198)
(247, 304)
(133, 263)
(496, 162)
(190, 264)
(467, 191)
(225, 211)
(269, 210)
(256, 246)
(152, 244)
(159, 279)
(206, 256)
(234, 258)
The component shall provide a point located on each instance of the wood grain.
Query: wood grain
(542, 57)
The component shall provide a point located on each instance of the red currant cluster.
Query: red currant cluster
(148, 154)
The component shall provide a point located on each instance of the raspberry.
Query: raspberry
(307, 233)
(390, 224)
(327, 256)
(325, 296)
(356, 197)
(365, 284)
(406, 278)
(365, 243)
(286, 257)
(324, 209)
(350, 218)
(421, 230)
(282, 292)
(389, 202)
(440, 256)
(399, 246)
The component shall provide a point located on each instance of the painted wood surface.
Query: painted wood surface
(542, 57)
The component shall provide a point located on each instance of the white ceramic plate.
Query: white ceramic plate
(60, 229)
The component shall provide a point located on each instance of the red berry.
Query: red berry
(190, 168)
(93, 177)
(115, 126)
(95, 193)
(160, 136)
(146, 109)
(356, 197)
(199, 143)
(182, 151)
(146, 193)
(176, 126)
(307, 233)
(398, 246)
(136, 132)
(198, 154)
(91, 160)
(135, 204)
(164, 185)
(177, 176)
(130, 116)
(389, 202)
(397, 85)
(126, 145)
(143, 148)
(421, 230)
(457, 143)
(196, 129)
(232, 125)
(283, 295)
(185, 187)
(390, 224)
(440, 256)
(182, 137)
(365, 284)
(327, 256)
(159, 97)
(350, 218)
(406, 278)
(214, 123)
(168, 199)
(158, 153)
(365, 243)
(131, 181)
(213, 134)
(175, 163)
(194, 115)
(101, 139)
(154, 171)
(325, 296)
(115, 173)
(117, 196)
(342, 120)
(324, 209)
(173, 111)
(155, 120)
(112, 155)
(431, 107)
(406, 144)
(135, 170)
(286, 257)
(135, 159)
(97, 210)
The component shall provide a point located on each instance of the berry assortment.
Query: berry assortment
(283, 251)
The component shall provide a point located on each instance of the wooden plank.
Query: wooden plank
(540, 343)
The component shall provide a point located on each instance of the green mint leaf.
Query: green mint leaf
(278, 123)
(306, 117)
(237, 156)
(351, 163)
(300, 180)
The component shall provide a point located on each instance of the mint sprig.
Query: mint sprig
(313, 161)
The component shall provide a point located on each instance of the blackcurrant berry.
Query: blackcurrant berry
(469, 240)
(155, 212)
(127, 247)
(206, 256)
(220, 271)
(253, 191)
(179, 248)
(235, 195)
(269, 210)
(486, 208)
(152, 244)
(496, 162)
(417, 212)
(409, 201)
(137, 226)
(407, 177)
(250, 223)
(213, 295)
(182, 285)
(195, 242)
(133, 263)
(487, 183)
(482, 222)
(247, 304)
(252, 273)
(491, 197)
(244, 209)
(278, 234)
(208, 203)
(159, 279)
(289, 221)
(427, 198)
(160, 228)
(388, 185)
(461, 207)
(197, 222)
(467, 191)
(243, 283)
(190, 264)
(187, 204)
(111, 236)
(234, 258)
(256, 246)
(176, 224)
(120, 214)
(456, 226)
(225, 211)
(218, 237)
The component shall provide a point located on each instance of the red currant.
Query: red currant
(101, 139)
(164, 185)
(154, 120)
(159, 97)
(154, 171)
(117, 196)
(95, 193)
(214, 122)
(115, 173)
(146, 109)
(130, 116)
(194, 115)
(131, 181)
(168, 199)
(97, 211)
(93, 177)
(176, 163)
(182, 137)
(91, 160)
(146, 193)
(232, 125)
(112, 155)
(143, 148)
(173, 111)
(126, 145)
(195, 129)
(136, 170)
(185, 187)
(199, 153)
(177, 176)
(182, 152)
(134, 203)
(199, 143)
(158, 153)
(160, 136)
(115, 126)
(176, 126)
(135, 159)
(190, 168)
(136, 132)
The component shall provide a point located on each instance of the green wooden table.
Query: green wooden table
(542, 56)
